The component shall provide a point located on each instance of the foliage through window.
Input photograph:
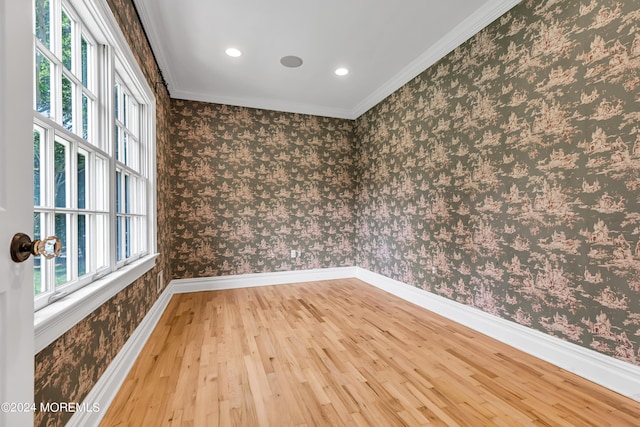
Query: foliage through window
(91, 143)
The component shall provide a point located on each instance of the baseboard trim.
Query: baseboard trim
(261, 279)
(614, 374)
(111, 380)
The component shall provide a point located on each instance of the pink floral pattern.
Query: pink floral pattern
(506, 176)
(251, 185)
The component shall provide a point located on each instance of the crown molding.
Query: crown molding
(266, 104)
(471, 26)
(484, 16)
(145, 14)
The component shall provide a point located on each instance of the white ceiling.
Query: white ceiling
(384, 44)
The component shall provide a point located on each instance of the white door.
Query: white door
(16, 212)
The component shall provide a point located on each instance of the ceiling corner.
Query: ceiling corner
(466, 29)
(154, 40)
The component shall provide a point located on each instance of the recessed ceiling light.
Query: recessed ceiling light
(341, 72)
(233, 52)
(291, 61)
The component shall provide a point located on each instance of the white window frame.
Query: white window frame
(55, 319)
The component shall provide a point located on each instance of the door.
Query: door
(16, 212)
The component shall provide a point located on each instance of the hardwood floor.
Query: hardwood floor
(342, 353)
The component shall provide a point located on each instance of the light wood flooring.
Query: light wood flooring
(342, 353)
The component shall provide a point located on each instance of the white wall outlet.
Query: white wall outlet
(294, 253)
(160, 282)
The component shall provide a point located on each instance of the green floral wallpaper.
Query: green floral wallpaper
(69, 367)
(506, 177)
(250, 185)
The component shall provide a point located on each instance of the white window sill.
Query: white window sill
(53, 321)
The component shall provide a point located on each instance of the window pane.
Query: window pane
(134, 236)
(38, 277)
(43, 84)
(37, 165)
(101, 189)
(67, 103)
(143, 234)
(86, 113)
(127, 208)
(142, 197)
(84, 52)
(67, 41)
(60, 168)
(132, 122)
(102, 241)
(127, 236)
(134, 154)
(62, 269)
(82, 245)
(117, 141)
(125, 101)
(118, 238)
(116, 104)
(118, 191)
(125, 148)
(43, 20)
(133, 194)
(82, 180)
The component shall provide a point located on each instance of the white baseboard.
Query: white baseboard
(261, 279)
(614, 374)
(109, 383)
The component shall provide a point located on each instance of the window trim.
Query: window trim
(52, 321)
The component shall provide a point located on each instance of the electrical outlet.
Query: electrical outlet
(118, 310)
(294, 253)
(160, 282)
(434, 270)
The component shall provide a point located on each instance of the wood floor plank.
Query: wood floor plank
(342, 353)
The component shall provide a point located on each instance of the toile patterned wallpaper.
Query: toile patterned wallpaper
(507, 176)
(69, 367)
(250, 185)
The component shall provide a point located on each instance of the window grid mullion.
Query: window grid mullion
(89, 110)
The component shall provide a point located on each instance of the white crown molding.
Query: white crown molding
(614, 374)
(266, 104)
(145, 14)
(484, 16)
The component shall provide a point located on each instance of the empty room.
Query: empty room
(338, 213)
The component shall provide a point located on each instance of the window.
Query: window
(93, 147)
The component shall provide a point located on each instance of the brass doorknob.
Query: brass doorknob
(22, 247)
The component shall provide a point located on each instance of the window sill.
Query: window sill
(53, 321)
